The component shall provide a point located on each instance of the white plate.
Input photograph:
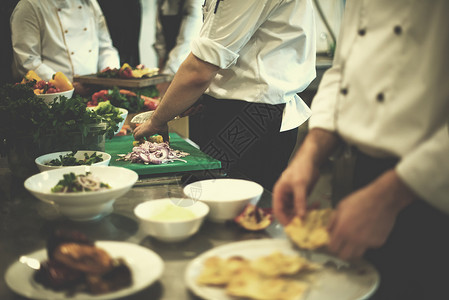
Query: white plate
(146, 267)
(357, 282)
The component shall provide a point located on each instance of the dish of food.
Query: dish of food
(357, 281)
(146, 267)
(69, 159)
(71, 183)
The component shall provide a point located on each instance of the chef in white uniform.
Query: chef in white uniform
(70, 36)
(250, 59)
(386, 101)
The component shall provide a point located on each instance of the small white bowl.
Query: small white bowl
(226, 197)
(41, 161)
(83, 206)
(48, 98)
(170, 230)
(124, 114)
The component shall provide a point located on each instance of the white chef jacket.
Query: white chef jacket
(387, 92)
(191, 23)
(265, 49)
(70, 36)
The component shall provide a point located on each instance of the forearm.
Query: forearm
(318, 146)
(189, 83)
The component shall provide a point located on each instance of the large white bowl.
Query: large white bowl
(124, 114)
(83, 206)
(170, 230)
(42, 160)
(226, 197)
(48, 98)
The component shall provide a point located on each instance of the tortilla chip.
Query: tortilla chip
(219, 271)
(249, 283)
(310, 233)
(277, 264)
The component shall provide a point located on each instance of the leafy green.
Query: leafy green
(70, 159)
(22, 113)
(131, 103)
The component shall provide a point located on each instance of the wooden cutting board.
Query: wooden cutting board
(119, 82)
(196, 161)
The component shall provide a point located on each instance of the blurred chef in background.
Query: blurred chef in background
(250, 59)
(178, 22)
(70, 36)
(385, 104)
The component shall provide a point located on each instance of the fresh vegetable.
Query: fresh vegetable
(70, 159)
(30, 76)
(61, 82)
(23, 114)
(128, 72)
(154, 153)
(133, 102)
(72, 183)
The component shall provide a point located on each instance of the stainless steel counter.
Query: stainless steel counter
(25, 222)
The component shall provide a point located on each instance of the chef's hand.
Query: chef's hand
(365, 218)
(297, 181)
(291, 190)
(149, 128)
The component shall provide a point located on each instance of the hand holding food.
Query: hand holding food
(310, 232)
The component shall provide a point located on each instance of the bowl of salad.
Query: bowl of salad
(82, 193)
(64, 159)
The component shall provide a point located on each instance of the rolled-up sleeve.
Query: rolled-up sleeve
(213, 53)
(227, 28)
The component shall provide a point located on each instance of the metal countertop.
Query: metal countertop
(25, 222)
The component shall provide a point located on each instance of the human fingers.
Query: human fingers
(282, 201)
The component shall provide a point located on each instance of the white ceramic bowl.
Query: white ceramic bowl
(82, 206)
(48, 98)
(124, 114)
(42, 160)
(170, 230)
(226, 197)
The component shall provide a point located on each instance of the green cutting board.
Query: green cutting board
(197, 160)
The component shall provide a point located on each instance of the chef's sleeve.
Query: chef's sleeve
(228, 26)
(426, 169)
(26, 43)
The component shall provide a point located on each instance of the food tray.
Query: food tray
(120, 82)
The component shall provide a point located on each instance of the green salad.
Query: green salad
(70, 160)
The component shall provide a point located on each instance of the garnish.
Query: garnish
(72, 183)
(70, 159)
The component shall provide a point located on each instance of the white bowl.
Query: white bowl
(82, 206)
(124, 114)
(226, 197)
(48, 98)
(170, 230)
(42, 160)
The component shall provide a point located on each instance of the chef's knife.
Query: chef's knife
(142, 117)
